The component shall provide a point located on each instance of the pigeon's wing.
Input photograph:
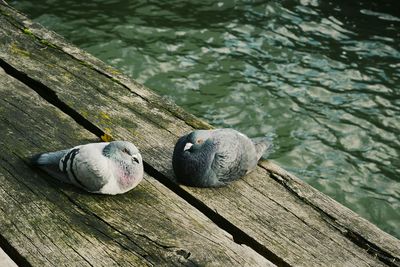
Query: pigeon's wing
(228, 163)
(86, 166)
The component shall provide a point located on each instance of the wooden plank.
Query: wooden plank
(278, 223)
(52, 224)
(37, 220)
(351, 225)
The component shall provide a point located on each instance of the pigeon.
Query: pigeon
(214, 158)
(103, 168)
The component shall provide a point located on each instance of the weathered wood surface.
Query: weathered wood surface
(277, 215)
(51, 224)
(354, 227)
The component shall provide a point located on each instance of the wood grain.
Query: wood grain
(262, 207)
(52, 224)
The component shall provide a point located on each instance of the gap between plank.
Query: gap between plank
(384, 256)
(13, 253)
(239, 236)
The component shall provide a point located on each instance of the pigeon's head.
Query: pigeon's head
(197, 140)
(128, 164)
(192, 157)
(123, 151)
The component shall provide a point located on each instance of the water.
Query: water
(321, 78)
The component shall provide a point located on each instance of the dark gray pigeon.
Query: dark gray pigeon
(104, 168)
(212, 158)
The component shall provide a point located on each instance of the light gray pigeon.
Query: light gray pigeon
(212, 158)
(104, 168)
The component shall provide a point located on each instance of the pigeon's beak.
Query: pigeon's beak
(187, 146)
(135, 159)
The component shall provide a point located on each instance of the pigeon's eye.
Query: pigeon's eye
(199, 141)
(126, 151)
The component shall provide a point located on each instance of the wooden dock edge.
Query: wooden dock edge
(356, 229)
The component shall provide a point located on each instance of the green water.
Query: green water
(322, 78)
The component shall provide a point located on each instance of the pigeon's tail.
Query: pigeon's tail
(49, 162)
(46, 159)
(263, 146)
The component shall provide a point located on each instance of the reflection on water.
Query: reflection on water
(322, 78)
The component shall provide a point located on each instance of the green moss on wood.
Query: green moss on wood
(86, 64)
(113, 71)
(84, 113)
(198, 124)
(104, 115)
(47, 43)
(5, 13)
(28, 32)
(19, 51)
(115, 80)
(136, 134)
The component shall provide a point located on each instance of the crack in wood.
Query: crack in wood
(282, 176)
(239, 236)
(307, 223)
(13, 253)
(51, 97)
(169, 106)
(86, 211)
(12, 173)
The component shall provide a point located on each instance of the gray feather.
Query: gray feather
(263, 146)
(50, 158)
(49, 162)
(106, 168)
(231, 160)
(210, 158)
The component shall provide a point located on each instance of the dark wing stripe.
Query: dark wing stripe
(67, 158)
(72, 167)
(71, 156)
